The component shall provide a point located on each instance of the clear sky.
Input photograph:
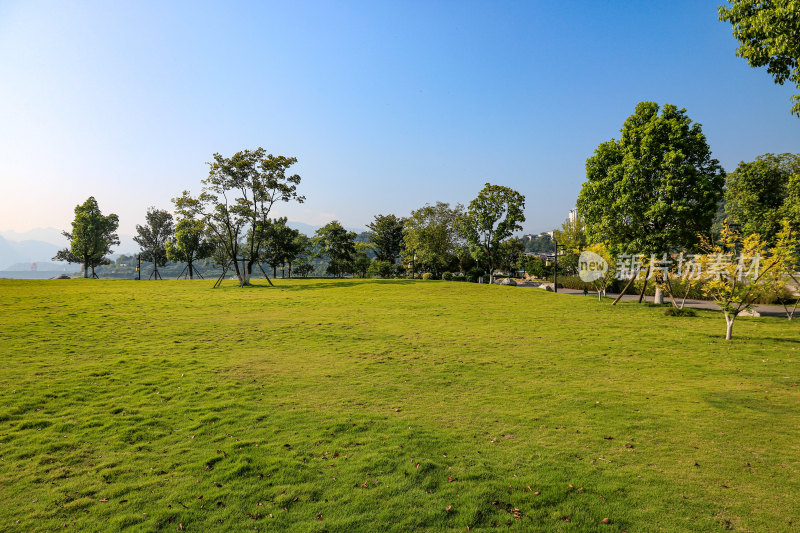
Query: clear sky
(387, 105)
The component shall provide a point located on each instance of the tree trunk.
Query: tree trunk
(245, 274)
(729, 323)
(622, 293)
(290, 270)
(658, 299)
(191, 271)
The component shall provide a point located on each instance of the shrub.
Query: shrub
(458, 276)
(447, 276)
(427, 275)
(674, 311)
(382, 269)
(473, 274)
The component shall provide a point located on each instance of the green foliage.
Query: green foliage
(338, 245)
(92, 236)
(361, 264)
(386, 237)
(760, 194)
(509, 253)
(431, 235)
(447, 276)
(535, 266)
(656, 189)
(572, 235)
(236, 201)
(767, 33)
(191, 243)
(381, 269)
(490, 219)
(153, 237)
(427, 275)
(280, 243)
(499, 389)
(303, 267)
(473, 274)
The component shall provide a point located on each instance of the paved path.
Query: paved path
(763, 309)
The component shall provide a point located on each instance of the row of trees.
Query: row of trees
(229, 223)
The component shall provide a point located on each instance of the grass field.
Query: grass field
(342, 405)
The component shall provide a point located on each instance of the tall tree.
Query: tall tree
(656, 189)
(191, 244)
(431, 236)
(386, 237)
(767, 31)
(153, 237)
(338, 245)
(237, 199)
(92, 236)
(490, 219)
(758, 194)
(279, 244)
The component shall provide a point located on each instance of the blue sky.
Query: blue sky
(387, 105)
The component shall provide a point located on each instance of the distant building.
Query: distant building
(573, 216)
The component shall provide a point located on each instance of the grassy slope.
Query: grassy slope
(227, 408)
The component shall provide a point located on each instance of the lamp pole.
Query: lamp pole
(555, 264)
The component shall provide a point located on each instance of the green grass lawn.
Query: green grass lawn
(341, 405)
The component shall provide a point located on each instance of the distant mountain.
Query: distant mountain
(51, 235)
(25, 252)
(43, 266)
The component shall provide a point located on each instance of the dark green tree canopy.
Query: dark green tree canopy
(759, 195)
(338, 245)
(767, 31)
(490, 219)
(386, 237)
(152, 238)
(91, 238)
(656, 189)
(191, 243)
(432, 235)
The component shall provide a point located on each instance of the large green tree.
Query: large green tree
(759, 194)
(432, 236)
(386, 237)
(153, 237)
(92, 236)
(655, 189)
(190, 244)
(768, 32)
(236, 202)
(490, 219)
(338, 245)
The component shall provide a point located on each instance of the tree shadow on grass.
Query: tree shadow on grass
(317, 284)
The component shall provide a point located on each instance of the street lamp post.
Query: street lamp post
(555, 264)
